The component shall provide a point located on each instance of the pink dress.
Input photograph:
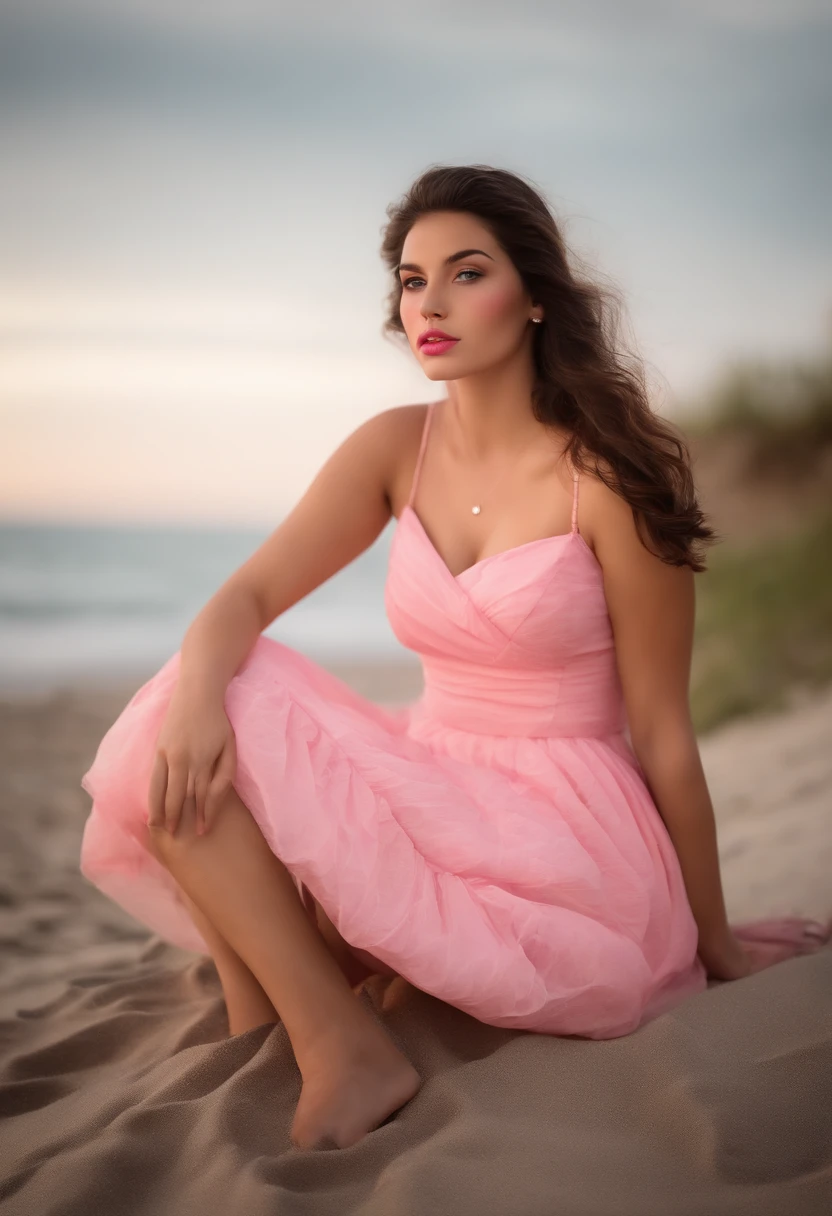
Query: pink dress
(493, 842)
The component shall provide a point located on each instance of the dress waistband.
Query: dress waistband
(583, 697)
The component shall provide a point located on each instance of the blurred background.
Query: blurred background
(192, 294)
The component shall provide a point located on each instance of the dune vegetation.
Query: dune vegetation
(764, 605)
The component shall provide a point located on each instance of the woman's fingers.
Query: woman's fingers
(201, 783)
(175, 796)
(169, 785)
(220, 782)
(156, 792)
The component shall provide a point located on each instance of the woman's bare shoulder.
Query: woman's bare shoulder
(601, 509)
(397, 431)
(399, 420)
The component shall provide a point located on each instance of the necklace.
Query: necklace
(477, 507)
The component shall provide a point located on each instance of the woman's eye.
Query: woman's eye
(476, 273)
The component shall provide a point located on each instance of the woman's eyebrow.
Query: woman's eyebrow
(455, 257)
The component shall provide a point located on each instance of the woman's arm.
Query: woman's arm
(338, 517)
(652, 610)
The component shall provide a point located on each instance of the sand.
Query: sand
(121, 1092)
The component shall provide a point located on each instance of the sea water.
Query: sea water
(87, 603)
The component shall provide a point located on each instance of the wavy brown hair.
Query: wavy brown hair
(584, 381)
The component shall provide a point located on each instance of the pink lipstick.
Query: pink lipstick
(438, 347)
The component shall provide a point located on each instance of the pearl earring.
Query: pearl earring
(537, 319)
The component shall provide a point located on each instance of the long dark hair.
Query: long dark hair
(584, 382)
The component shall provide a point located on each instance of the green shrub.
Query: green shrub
(763, 623)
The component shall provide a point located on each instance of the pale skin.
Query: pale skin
(273, 961)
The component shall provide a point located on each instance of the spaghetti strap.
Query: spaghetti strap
(575, 500)
(425, 429)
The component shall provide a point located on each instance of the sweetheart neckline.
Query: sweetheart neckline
(491, 556)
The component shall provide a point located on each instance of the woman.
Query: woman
(532, 840)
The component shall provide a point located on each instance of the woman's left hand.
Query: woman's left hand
(753, 946)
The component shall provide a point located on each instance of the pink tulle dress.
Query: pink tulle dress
(493, 842)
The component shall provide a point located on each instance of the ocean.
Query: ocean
(87, 603)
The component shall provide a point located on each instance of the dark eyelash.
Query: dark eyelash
(478, 273)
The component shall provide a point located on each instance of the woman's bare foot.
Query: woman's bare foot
(351, 1092)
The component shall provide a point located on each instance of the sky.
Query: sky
(194, 194)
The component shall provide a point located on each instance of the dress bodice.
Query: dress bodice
(519, 643)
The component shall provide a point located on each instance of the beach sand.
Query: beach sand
(120, 1091)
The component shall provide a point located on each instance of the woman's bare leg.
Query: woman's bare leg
(246, 1002)
(353, 1075)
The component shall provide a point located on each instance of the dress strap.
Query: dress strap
(575, 500)
(422, 445)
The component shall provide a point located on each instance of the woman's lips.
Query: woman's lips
(438, 348)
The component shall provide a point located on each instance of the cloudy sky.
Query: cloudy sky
(194, 193)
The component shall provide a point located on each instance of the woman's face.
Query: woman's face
(479, 299)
